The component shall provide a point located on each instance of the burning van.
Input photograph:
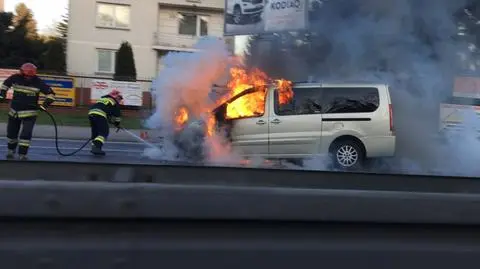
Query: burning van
(279, 119)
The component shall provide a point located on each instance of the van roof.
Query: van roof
(339, 84)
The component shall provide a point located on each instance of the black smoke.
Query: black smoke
(414, 45)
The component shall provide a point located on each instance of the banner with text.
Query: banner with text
(265, 16)
(131, 91)
(64, 87)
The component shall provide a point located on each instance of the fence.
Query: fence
(79, 90)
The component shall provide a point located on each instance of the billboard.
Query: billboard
(467, 87)
(131, 91)
(64, 87)
(246, 17)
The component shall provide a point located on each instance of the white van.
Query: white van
(352, 122)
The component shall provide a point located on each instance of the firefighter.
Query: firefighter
(24, 107)
(106, 110)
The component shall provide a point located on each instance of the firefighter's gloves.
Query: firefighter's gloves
(47, 102)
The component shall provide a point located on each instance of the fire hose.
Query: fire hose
(56, 137)
(88, 141)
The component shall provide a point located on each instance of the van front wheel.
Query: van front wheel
(347, 155)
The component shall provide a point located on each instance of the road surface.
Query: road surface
(121, 152)
(43, 149)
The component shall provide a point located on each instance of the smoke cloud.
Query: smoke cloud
(411, 45)
(186, 81)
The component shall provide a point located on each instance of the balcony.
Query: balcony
(174, 41)
(163, 41)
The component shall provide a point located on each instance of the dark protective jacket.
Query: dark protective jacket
(107, 107)
(26, 93)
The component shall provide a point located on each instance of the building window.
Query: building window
(193, 24)
(113, 16)
(106, 61)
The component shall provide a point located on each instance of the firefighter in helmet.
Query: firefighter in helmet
(106, 110)
(24, 107)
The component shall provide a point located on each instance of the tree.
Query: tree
(62, 26)
(125, 63)
(5, 24)
(54, 58)
(24, 19)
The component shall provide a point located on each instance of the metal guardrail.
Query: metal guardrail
(179, 191)
(77, 215)
(167, 201)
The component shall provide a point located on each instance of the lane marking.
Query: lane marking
(84, 149)
(81, 141)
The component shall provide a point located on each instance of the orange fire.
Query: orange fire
(181, 117)
(251, 104)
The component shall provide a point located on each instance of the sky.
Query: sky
(46, 12)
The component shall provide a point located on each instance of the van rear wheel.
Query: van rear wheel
(347, 155)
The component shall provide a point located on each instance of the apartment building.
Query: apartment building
(153, 27)
(2, 5)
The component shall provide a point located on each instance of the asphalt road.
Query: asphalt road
(117, 152)
(121, 152)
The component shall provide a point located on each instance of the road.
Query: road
(121, 152)
(43, 149)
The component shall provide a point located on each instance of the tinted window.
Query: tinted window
(305, 101)
(329, 100)
(349, 100)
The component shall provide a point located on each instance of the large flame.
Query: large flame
(248, 105)
(252, 104)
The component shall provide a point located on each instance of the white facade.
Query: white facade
(153, 27)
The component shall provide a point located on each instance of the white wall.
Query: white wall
(168, 25)
(147, 18)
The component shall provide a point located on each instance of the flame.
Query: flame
(181, 117)
(251, 104)
(285, 91)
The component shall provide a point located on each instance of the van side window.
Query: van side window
(350, 100)
(305, 101)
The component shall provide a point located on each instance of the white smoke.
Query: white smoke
(186, 80)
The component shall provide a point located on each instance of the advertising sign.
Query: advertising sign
(467, 87)
(64, 87)
(131, 91)
(265, 16)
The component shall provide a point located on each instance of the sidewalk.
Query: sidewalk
(75, 133)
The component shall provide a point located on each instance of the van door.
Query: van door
(250, 134)
(296, 127)
(349, 111)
